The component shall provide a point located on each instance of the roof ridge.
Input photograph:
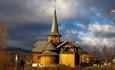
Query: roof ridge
(62, 44)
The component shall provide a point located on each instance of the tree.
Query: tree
(96, 53)
(6, 60)
(114, 50)
(106, 54)
(3, 35)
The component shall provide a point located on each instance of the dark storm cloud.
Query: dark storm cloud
(26, 34)
(22, 11)
(29, 20)
(10, 8)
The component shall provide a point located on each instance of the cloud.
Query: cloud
(25, 36)
(92, 35)
(99, 42)
(28, 20)
(36, 10)
(99, 35)
(102, 30)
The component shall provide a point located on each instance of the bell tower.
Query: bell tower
(54, 35)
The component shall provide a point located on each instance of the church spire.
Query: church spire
(54, 27)
(54, 35)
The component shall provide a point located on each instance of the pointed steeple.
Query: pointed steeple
(54, 35)
(54, 26)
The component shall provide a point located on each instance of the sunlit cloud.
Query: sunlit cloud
(98, 42)
(101, 28)
(97, 35)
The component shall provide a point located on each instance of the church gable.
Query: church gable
(67, 47)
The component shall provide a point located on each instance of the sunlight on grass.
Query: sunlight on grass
(63, 67)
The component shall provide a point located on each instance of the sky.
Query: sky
(87, 22)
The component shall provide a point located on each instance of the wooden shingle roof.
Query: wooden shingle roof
(39, 46)
(50, 47)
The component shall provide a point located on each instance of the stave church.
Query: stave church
(54, 51)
